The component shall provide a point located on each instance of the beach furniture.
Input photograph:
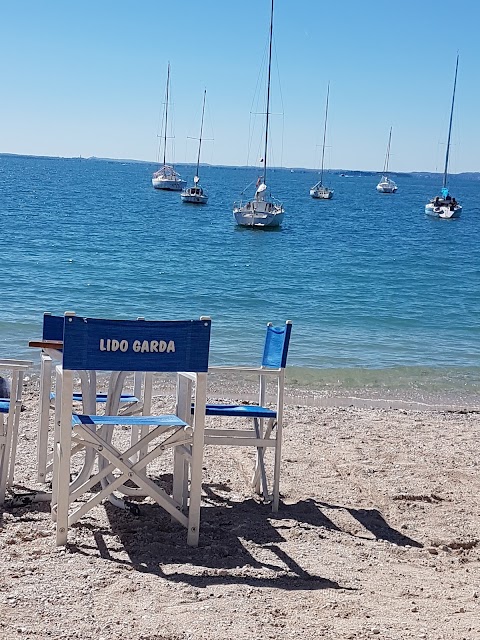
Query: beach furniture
(261, 425)
(10, 407)
(121, 346)
(51, 354)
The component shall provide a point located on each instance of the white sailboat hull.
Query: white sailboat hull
(194, 195)
(443, 211)
(168, 184)
(321, 193)
(386, 186)
(258, 213)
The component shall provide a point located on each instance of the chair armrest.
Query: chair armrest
(188, 374)
(19, 365)
(259, 370)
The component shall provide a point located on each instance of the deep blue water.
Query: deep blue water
(379, 294)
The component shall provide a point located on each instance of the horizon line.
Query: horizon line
(230, 166)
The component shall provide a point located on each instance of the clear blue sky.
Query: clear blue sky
(88, 78)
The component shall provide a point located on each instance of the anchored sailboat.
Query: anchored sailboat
(386, 184)
(195, 194)
(319, 190)
(445, 206)
(263, 211)
(166, 177)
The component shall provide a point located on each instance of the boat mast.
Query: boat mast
(166, 115)
(268, 98)
(387, 155)
(324, 134)
(196, 179)
(450, 128)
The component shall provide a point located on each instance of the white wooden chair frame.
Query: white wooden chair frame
(267, 431)
(48, 359)
(265, 434)
(185, 436)
(9, 422)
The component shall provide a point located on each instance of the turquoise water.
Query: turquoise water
(380, 295)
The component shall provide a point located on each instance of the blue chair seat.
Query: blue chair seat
(4, 406)
(239, 411)
(102, 397)
(154, 421)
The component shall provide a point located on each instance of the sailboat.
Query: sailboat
(195, 194)
(166, 177)
(445, 206)
(386, 184)
(263, 211)
(319, 190)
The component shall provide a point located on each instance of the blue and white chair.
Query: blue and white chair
(119, 346)
(266, 422)
(133, 401)
(10, 407)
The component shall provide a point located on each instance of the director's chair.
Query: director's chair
(117, 346)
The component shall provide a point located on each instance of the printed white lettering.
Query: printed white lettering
(138, 346)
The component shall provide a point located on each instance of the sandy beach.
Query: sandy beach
(377, 536)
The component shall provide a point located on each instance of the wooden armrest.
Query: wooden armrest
(46, 344)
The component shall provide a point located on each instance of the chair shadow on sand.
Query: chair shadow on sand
(234, 535)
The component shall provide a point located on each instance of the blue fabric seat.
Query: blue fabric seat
(4, 405)
(239, 411)
(100, 398)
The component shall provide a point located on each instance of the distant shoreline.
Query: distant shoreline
(468, 175)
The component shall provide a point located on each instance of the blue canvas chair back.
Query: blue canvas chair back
(135, 345)
(52, 327)
(275, 351)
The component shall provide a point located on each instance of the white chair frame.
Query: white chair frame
(186, 436)
(9, 422)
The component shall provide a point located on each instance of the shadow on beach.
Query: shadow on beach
(240, 542)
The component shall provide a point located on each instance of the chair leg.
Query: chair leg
(147, 407)
(44, 416)
(276, 467)
(180, 465)
(260, 464)
(3, 459)
(63, 444)
(56, 437)
(14, 442)
(197, 462)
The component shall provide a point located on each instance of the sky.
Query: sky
(88, 78)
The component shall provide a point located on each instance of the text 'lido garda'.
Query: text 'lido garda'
(138, 346)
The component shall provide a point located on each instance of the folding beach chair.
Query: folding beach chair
(133, 401)
(266, 423)
(118, 346)
(10, 407)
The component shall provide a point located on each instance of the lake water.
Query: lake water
(382, 298)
